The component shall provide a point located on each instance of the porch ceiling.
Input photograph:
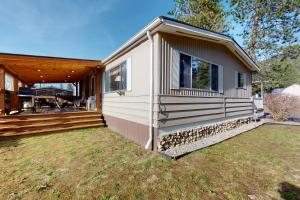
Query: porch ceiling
(39, 69)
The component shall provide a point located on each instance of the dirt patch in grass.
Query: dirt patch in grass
(100, 164)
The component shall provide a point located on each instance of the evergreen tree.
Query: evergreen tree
(268, 26)
(206, 14)
(70, 86)
(284, 70)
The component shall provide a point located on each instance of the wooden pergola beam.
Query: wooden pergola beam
(13, 73)
(45, 59)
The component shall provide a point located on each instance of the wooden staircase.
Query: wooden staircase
(38, 124)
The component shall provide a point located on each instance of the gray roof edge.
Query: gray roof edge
(165, 20)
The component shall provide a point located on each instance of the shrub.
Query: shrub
(280, 106)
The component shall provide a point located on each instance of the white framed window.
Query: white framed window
(118, 78)
(196, 73)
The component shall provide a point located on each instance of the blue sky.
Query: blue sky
(90, 29)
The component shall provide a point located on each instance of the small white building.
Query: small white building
(293, 90)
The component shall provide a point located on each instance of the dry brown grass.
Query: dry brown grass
(99, 164)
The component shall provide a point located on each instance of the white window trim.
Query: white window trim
(175, 68)
(127, 76)
(198, 89)
(237, 80)
(221, 79)
(245, 81)
(209, 75)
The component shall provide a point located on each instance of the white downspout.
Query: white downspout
(151, 93)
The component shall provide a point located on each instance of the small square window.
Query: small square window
(241, 80)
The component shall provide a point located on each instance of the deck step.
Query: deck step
(29, 121)
(36, 124)
(45, 115)
(46, 125)
(44, 132)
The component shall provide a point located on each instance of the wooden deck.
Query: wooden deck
(38, 124)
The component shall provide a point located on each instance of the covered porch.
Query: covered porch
(20, 73)
(26, 110)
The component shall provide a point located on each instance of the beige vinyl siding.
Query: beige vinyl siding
(179, 110)
(238, 107)
(177, 107)
(134, 104)
(186, 106)
(171, 45)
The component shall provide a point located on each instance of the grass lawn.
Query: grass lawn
(99, 164)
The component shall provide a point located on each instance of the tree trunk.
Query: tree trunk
(253, 40)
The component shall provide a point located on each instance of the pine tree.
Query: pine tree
(284, 70)
(268, 26)
(70, 87)
(206, 14)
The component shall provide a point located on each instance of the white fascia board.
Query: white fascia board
(195, 30)
(137, 36)
(245, 56)
(214, 36)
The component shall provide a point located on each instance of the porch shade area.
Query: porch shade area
(38, 69)
(26, 70)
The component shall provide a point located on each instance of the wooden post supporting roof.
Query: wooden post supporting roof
(99, 90)
(81, 89)
(87, 87)
(76, 89)
(14, 98)
(2, 91)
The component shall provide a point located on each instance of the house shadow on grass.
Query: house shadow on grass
(9, 143)
(289, 191)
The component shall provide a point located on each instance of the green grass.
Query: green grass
(100, 164)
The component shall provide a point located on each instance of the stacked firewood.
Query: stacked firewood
(192, 135)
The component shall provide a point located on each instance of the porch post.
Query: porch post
(98, 87)
(81, 88)
(2, 91)
(14, 97)
(76, 85)
(86, 87)
(262, 89)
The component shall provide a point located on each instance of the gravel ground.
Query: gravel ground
(179, 151)
(293, 123)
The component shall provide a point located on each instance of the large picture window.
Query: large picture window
(116, 78)
(198, 74)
